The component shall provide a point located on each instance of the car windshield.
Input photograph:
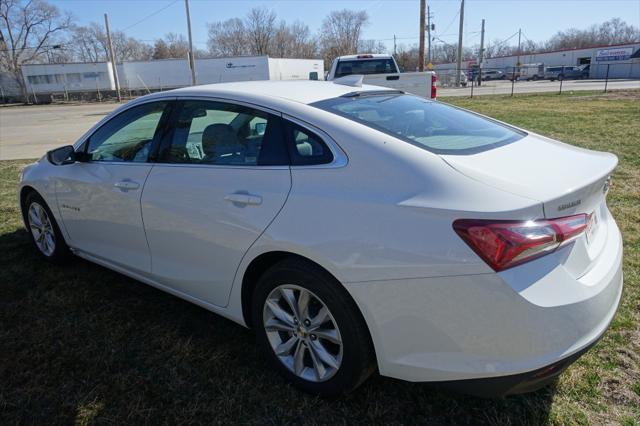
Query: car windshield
(365, 66)
(433, 126)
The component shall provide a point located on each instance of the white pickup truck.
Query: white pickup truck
(382, 70)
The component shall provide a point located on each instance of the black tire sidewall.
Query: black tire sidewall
(61, 252)
(357, 359)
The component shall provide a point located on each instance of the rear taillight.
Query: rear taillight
(503, 244)
(433, 86)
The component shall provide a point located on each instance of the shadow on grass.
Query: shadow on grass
(82, 343)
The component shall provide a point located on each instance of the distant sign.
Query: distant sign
(617, 54)
(430, 66)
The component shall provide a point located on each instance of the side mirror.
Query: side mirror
(65, 155)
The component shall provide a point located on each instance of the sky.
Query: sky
(539, 19)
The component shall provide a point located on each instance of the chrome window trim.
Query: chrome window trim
(215, 98)
(340, 158)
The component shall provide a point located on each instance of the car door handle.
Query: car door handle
(245, 199)
(126, 185)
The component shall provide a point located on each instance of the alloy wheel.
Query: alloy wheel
(41, 229)
(302, 332)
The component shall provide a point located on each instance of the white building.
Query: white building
(622, 61)
(165, 74)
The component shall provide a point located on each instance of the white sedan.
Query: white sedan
(353, 227)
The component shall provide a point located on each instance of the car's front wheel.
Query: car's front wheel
(311, 330)
(44, 231)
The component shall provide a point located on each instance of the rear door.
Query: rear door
(99, 200)
(221, 179)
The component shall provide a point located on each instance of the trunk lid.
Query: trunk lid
(567, 180)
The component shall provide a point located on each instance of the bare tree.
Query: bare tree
(293, 41)
(340, 33)
(171, 46)
(89, 44)
(371, 46)
(227, 38)
(610, 32)
(260, 28)
(26, 31)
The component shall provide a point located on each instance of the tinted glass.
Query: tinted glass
(430, 125)
(226, 134)
(366, 66)
(306, 148)
(128, 136)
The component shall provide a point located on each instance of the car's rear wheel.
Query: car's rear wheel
(44, 231)
(311, 330)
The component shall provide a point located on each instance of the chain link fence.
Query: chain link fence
(538, 78)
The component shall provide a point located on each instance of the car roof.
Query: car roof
(303, 91)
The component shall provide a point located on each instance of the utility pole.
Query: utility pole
(112, 57)
(481, 55)
(519, 35)
(429, 25)
(192, 63)
(395, 50)
(460, 31)
(421, 47)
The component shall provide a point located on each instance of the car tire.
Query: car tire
(327, 357)
(44, 230)
(534, 78)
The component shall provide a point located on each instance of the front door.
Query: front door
(220, 182)
(99, 200)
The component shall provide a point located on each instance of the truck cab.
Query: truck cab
(382, 70)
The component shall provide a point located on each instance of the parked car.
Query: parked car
(562, 73)
(532, 72)
(493, 75)
(512, 75)
(355, 228)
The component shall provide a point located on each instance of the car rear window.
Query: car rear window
(434, 126)
(365, 66)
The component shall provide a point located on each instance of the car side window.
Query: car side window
(209, 132)
(128, 136)
(305, 147)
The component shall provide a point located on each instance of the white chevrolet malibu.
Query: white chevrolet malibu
(353, 227)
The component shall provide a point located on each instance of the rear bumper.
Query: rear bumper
(481, 334)
(516, 383)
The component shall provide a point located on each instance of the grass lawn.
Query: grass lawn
(84, 344)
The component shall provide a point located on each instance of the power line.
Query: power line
(150, 15)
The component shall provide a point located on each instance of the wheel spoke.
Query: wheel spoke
(285, 348)
(280, 313)
(320, 318)
(33, 217)
(328, 334)
(274, 324)
(298, 358)
(318, 366)
(303, 304)
(325, 356)
(290, 298)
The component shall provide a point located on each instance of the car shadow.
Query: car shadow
(84, 344)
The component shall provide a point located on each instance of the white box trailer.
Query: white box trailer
(170, 73)
(69, 77)
(166, 73)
